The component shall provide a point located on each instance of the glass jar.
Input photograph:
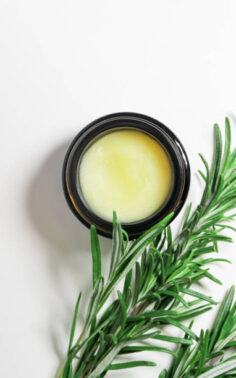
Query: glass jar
(118, 122)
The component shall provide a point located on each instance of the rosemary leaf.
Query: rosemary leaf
(96, 255)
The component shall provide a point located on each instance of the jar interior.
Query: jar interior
(126, 170)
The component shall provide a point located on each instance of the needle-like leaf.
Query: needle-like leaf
(72, 332)
(131, 364)
(96, 255)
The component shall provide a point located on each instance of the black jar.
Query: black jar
(114, 122)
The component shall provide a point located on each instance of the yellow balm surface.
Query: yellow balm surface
(127, 171)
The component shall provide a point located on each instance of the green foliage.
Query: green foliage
(132, 364)
(96, 255)
(213, 354)
(157, 271)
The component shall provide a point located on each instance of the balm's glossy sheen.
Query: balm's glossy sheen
(127, 171)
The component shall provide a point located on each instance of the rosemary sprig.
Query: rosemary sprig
(157, 272)
(214, 353)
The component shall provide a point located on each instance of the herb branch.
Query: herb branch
(213, 354)
(157, 272)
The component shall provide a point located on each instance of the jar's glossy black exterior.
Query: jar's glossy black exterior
(119, 121)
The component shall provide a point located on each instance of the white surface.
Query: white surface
(64, 63)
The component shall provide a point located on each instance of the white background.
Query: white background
(63, 64)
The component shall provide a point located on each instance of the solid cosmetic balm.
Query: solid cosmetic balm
(127, 171)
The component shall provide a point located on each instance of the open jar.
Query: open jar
(129, 163)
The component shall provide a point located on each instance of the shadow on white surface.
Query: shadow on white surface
(232, 118)
(67, 251)
(48, 209)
